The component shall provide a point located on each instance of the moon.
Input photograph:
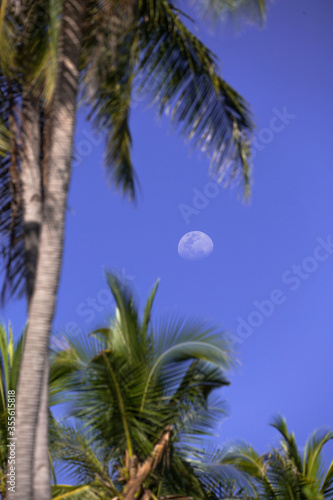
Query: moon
(195, 245)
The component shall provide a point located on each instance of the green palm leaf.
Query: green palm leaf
(281, 474)
(312, 459)
(82, 492)
(182, 74)
(327, 484)
(133, 379)
(288, 443)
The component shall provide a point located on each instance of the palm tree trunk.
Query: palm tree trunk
(33, 382)
(31, 177)
(32, 192)
(135, 482)
(41, 468)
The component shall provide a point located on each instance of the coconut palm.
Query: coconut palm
(50, 51)
(141, 395)
(285, 473)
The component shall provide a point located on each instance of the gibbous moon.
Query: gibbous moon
(195, 245)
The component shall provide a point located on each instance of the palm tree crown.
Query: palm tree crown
(285, 473)
(142, 390)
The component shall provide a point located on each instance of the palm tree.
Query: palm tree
(285, 473)
(10, 359)
(50, 51)
(141, 395)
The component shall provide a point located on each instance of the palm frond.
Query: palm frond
(42, 44)
(179, 341)
(69, 363)
(212, 466)
(312, 460)
(289, 442)
(284, 479)
(125, 327)
(77, 453)
(110, 53)
(132, 380)
(80, 492)
(327, 484)
(182, 75)
(148, 308)
(279, 474)
(8, 33)
(11, 217)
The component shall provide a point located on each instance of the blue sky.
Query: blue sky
(286, 362)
